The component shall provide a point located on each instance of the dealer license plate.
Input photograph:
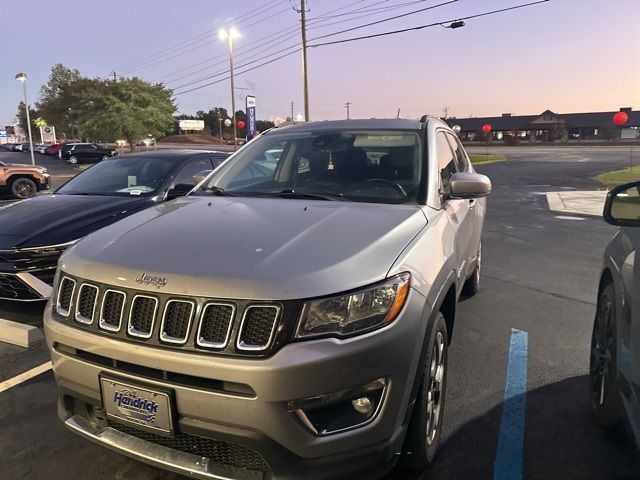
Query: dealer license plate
(141, 406)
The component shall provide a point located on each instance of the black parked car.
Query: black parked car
(34, 232)
(85, 152)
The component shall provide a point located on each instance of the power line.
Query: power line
(287, 32)
(420, 27)
(281, 39)
(190, 45)
(413, 12)
(248, 14)
(238, 73)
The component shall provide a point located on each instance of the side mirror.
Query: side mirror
(180, 190)
(469, 185)
(622, 207)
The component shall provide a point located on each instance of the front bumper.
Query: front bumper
(261, 421)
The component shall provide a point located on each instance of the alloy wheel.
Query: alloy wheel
(435, 387)
(602, 343)
(24, 189)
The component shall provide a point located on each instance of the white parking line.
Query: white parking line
(567, 217)
(23, 377)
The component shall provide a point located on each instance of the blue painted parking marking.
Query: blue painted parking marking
(509, 455)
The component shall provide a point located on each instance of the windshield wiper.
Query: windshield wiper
(291, 193)
(221, 192)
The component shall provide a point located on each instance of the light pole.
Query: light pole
(229, 35)
(22, 77)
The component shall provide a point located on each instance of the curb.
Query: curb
(20, 334)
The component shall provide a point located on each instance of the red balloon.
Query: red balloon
(486, 128)
(240, 124)
(620, 118)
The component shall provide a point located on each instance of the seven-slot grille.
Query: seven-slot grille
(159, 319)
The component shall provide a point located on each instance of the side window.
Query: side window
(446, 161)
(462, 162)
(193, 172)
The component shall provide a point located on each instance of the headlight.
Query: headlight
(364, 310)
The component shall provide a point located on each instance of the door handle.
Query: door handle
(472, 202)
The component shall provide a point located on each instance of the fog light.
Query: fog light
(340, 411)
(362, 405)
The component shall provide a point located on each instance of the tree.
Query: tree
(60, 97)
(264, 125)
(22, 118)
(129, 108)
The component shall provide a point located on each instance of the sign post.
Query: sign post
(619, 119)
(191, 125)
(251, 117)
(48, 134)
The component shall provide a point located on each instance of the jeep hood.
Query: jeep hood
(249, 248)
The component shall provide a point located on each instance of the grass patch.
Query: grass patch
(481, 158)
(616, 177)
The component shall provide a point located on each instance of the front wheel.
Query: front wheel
(73, 159)
(423, 436)
(603, 363)
(23, 188)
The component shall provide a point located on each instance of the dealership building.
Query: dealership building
(549, 126)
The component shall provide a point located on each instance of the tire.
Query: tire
(73, 159)
(23, 188)
(472, 285)
(603, 363)
(425, 427)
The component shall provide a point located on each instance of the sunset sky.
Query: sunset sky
(565, 55)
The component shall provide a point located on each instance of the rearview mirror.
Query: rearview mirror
(469, 185)
(622, 207)
(180, 190)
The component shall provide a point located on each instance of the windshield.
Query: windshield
(121, 176)
(365, 166)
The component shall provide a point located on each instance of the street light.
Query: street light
(229, 35)
(22, 77)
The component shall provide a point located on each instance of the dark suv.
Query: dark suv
(83, 152)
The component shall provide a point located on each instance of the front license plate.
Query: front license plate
(141, 406)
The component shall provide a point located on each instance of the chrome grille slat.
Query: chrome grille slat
(86, 303)
(112, 309)
(142, 316)
(64, 300)
(258, 327)
(176, 321)
(215, 325)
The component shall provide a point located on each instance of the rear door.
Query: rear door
(458, 211)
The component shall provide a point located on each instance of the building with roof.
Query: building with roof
(550, 127)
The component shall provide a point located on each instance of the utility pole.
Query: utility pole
(305, 73)
(445, 111)
(292, 118)
(115, 78)
(347, 106)
(398, 113)
(220, 123)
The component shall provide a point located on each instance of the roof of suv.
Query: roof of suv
(372, 123)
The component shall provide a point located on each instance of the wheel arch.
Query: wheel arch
(12, 178)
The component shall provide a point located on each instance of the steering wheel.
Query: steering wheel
(396, 186)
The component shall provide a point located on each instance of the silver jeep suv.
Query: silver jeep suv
(289, 318)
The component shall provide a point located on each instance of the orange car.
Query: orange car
(23, 181)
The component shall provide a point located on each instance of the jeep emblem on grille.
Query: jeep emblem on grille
(157, 282)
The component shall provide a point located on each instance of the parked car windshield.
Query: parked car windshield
(366, 166)
(121, 176)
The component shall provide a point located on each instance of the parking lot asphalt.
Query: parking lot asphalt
(540, 277)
